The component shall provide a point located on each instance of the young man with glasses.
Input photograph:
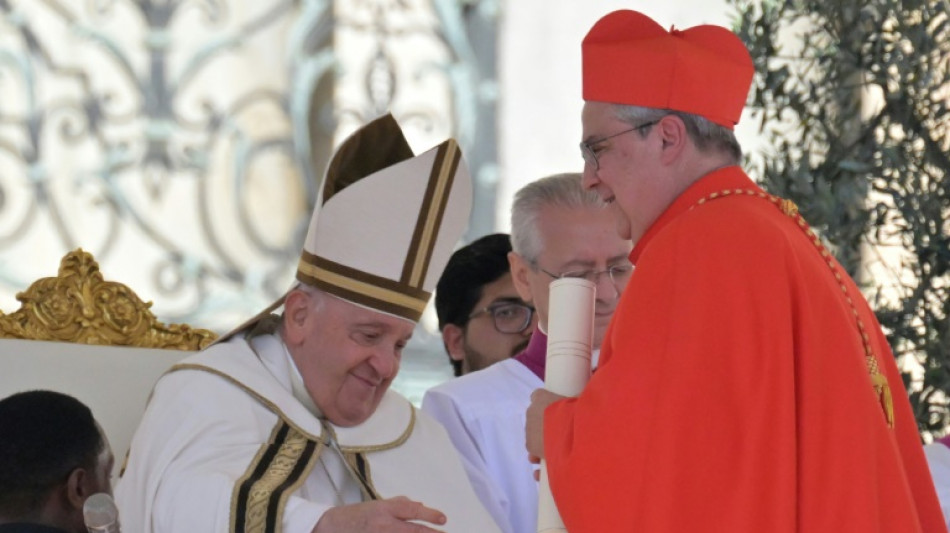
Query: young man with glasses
(481, 316)
(558, 230)
(745, 385)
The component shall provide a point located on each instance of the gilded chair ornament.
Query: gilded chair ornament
(79, 306)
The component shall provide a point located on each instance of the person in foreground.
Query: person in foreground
(288, 424)
(558, 230)
(53, 455)
(744, 384)
(481, 316)
(938, 460)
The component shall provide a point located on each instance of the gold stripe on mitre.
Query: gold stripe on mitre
(431, 212)
(361, 287)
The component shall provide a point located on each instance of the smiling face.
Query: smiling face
(574, 239)
(630, 174)
(347, 355)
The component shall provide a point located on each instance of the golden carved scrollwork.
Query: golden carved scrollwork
(79, 306)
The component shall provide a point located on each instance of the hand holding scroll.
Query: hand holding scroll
(534, 426)
(570, 344)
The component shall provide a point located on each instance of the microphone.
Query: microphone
(100, 515)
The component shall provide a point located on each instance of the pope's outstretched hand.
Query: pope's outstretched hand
(392, 515)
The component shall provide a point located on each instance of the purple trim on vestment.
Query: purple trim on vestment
(535, 355)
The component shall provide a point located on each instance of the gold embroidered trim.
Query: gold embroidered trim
(879, 384)
(267, 403)
(297, 437)
(398, 441)
(346, 271)
(276, 469)
(359, 287)
(386, 446)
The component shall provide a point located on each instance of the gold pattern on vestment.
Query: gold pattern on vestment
(271, 406)
(879, 384)
(298, 433)
(79, 306)
(279, 474)
(788, 207)
(380, 447)
(327, 428)
(327, 435)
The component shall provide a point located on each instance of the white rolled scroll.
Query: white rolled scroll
(567, 370)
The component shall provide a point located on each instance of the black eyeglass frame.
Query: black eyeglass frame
(587, 147)
(592, 275)
(495, 307)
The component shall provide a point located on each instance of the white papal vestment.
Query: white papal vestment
(484, 413)
(225, 445)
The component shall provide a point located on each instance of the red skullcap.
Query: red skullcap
(630, 59)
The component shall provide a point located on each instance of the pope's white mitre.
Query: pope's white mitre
(385, 222)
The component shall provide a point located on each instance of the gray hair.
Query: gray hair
(317, 295)
(562, 190)
(706, 134)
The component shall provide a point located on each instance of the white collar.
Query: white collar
(389, 425)
(297, 386)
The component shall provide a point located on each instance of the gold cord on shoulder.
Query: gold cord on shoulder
(879, 384)
(789, 208)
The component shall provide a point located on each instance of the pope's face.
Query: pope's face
(629, 174)
(348, 356)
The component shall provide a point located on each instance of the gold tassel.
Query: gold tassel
(883, 391)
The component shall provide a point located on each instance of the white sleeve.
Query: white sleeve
(194, 501)
(444, 410)
(189, 455)
(938, 459)
(200, 500)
